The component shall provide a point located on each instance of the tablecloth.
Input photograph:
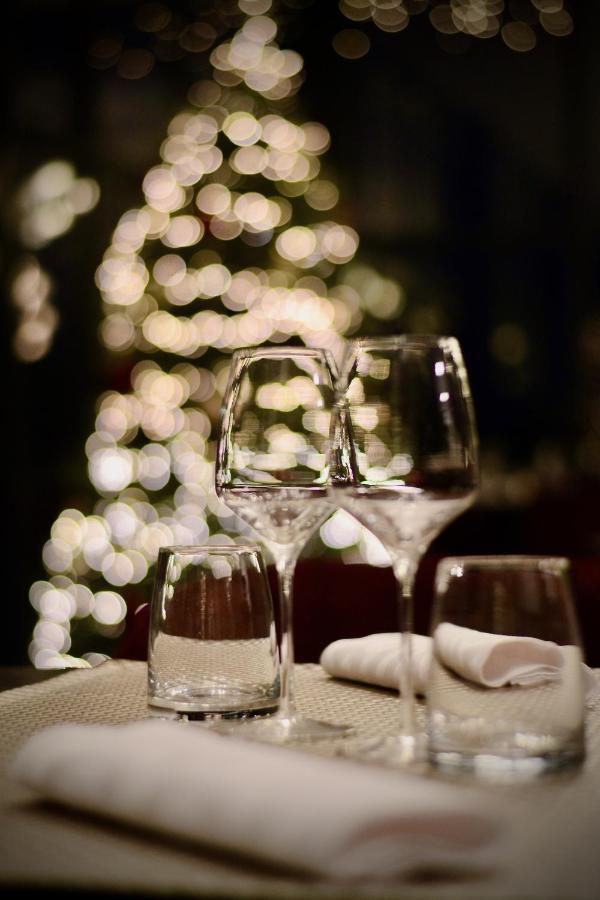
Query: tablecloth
(556, 821)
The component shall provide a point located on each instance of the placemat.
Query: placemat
(556, 822)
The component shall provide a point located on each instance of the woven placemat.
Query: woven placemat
(42, 845)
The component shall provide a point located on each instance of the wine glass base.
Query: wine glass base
(284, 729)
(504, 768)
(400, 751)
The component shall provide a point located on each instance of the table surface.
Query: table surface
(555, 822)
(18, 676)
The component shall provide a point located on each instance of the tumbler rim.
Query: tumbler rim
(398, 341)
(507, 561)
(192, 549)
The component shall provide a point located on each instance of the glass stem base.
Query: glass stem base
(285, 727)
(399, 751)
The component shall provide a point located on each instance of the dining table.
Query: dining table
(48, 850)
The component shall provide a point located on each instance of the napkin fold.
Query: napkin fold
(487, 659)
(497, 660)
(375, 659)
(324, 816)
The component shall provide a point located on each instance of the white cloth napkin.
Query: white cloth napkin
(326, 816)
(496, 660)
(375, 659)
(488, 659)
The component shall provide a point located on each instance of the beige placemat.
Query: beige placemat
(556, 824)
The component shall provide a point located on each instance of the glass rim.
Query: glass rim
(507, 561)
(278, 350)
(393, 341)
(194, 549)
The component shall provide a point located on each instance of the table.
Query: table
(556, 823)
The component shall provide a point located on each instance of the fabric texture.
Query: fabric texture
(326, 816)
(47, 848)
(487, 659)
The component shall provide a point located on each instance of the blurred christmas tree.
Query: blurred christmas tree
(233, 246)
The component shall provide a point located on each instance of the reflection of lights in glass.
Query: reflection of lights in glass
(282, 440)
(366, 417)
(372, 550)
(340, 531)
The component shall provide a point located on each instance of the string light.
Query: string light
(236, 170)
(234, 243)
(47, 206)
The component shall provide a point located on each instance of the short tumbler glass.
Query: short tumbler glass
(506, 692)
(212, 643)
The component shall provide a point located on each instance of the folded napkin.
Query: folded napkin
(491, 660)
(496, 660)
(325, 816)
(375, 659)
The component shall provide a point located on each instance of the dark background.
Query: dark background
(471, 174)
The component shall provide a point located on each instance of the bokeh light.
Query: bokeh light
(234, 242)
(47, 206)
(519, 24)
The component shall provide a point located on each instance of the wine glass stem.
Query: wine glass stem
(286, 565)
(405, 569)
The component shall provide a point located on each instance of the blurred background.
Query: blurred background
(181, 178)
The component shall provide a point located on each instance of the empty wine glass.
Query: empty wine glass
(403, 462)
(271, 470)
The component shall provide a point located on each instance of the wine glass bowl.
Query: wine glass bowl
(403, 459)
(272, 470)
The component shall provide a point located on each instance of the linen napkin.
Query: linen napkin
(324, 816)
(375, 659)
(487, 659)
(496, 660)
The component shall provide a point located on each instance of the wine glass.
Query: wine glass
(403, 462)
(271, 471)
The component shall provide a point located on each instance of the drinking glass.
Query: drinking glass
(212, 649)
(505, 697)
(403, 462)
(271, 471)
